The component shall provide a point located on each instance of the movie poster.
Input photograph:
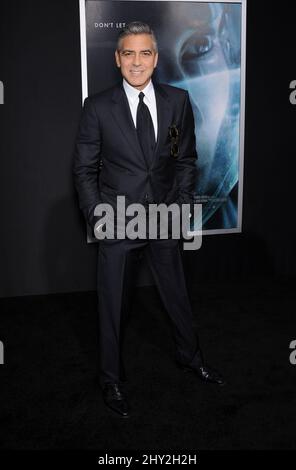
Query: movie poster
(201, 49)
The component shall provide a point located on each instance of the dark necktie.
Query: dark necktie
(145, 129)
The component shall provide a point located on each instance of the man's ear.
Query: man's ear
(117, 58)
(156, 59)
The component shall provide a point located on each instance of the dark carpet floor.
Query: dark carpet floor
(50, 399)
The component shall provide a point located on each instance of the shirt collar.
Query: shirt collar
(133, 93)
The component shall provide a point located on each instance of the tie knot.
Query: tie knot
(141, 97)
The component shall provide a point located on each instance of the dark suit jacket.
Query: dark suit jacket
(109, 161)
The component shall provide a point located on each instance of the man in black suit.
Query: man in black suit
(137, 140)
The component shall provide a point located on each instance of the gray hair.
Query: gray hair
(136, 27)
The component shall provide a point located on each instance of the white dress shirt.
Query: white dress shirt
(149, 99)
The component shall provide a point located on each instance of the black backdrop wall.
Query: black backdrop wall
(43, 247)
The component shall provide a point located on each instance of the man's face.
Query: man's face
(137, 59)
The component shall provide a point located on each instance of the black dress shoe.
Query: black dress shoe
(114, 397)
(205, 373)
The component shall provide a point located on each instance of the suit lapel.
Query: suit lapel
(163, 117)
(122, 114)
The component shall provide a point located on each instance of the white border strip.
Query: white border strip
(242, 111)
(83, 48)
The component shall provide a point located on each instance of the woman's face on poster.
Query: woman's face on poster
(204, 57)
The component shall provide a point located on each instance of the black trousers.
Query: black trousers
(118, 262)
